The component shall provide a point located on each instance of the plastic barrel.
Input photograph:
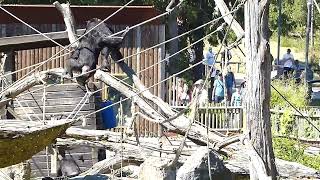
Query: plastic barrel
(108, 116)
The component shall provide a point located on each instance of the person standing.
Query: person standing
(225, 58)
(218, 90)
(210, 68)
(230, 83)
(210, 57)
(236, 99)
(288, 63)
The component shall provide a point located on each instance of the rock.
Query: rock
(156, 168)
(17, 172)
(196, 167)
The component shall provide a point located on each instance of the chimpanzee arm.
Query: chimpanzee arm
(105, 53)
(115, 40)
(116, 56)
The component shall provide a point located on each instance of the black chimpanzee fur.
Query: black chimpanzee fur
(85, 57)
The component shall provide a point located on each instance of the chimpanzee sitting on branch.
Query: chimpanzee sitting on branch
(85, 57)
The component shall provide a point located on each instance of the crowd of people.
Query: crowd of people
(221, 86)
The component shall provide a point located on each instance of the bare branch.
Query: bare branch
(68, 18)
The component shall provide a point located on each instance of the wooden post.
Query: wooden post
(312, 32)
(279, 30)
(257, 105)
(307, 40)
(9, 66)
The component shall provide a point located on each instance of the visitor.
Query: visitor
(198, 86)
(297, 72)
(179, 90)
(236, 99)
(184, 97)
(230, 83)
(288, 66)
(224, 60)
(218, 90)
(210, 57)
(212, 79)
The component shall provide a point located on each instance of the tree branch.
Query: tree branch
(68, 18)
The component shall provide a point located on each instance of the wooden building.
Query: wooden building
(28, 49)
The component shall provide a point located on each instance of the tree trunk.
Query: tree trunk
(173, 45)
(258, 79)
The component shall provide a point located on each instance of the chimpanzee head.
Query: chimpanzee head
(99, 32)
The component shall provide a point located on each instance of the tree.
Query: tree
(258, 66)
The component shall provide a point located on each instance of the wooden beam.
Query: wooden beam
(34, 41)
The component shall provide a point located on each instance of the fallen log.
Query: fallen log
(113, 163)
(180, 125)
(36, 78)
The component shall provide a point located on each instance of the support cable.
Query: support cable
(51, 58)
(296, 109)
(23, 22)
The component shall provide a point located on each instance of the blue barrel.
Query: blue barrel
(108, 116)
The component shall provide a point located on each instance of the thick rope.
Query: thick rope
(164, 42)
(23, 22)
(51, 58)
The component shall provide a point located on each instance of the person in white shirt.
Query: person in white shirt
(288, 66)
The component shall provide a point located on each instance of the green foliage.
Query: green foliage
(296, 94)
(287, 123)
(292, 150)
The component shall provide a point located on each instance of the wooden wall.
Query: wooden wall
(137, 40)
(60, 101)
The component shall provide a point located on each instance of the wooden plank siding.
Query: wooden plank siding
(144, 36)
(62, 98)
(60, 101)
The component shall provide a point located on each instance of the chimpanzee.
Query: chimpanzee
(85, 57)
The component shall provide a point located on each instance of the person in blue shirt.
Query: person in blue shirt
(230, 82)
(210, 59)
(218, 90)
(236, 99)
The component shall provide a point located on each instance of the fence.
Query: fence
(218, 119)
(294, 124)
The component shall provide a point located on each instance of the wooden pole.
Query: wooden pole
(279, 30)
(257, 104)
(312, 32)
(307, 39)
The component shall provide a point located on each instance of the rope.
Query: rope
(164, 42)
(216, 19)
(23, 22)
(44, 98)
(6, 81)
(77, 106)
(28, 67)
(78, 40)
(218, 29)
(190, 67)
(296, 109)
